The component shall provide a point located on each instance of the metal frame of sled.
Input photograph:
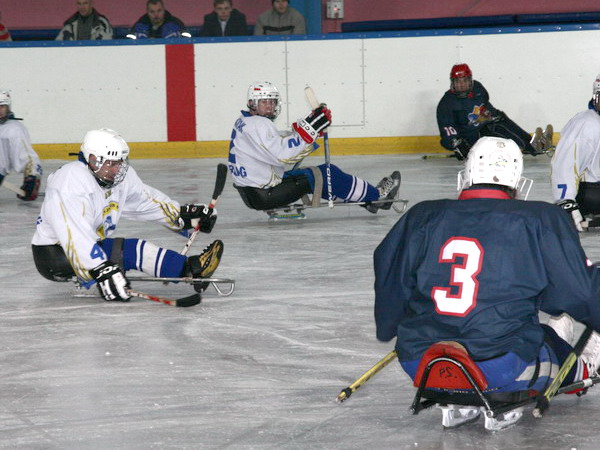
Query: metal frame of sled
(286, 212)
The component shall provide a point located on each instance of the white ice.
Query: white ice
(257, 370)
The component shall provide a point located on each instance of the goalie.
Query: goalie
(83, 204)
(262, 159)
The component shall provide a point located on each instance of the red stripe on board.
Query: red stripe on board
(181, 93)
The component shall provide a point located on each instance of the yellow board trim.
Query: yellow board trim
(220, 149)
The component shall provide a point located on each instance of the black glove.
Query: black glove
(31, 186)
(112, 284)
(314, 124)
(192, 214)
(572, 208)
(461, 148)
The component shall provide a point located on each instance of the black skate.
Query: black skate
(388, 190)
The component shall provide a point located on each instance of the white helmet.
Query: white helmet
(494, 160)
(106, 145)
(5, 97)
(263, 90)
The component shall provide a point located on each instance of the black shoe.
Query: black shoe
(388, 190)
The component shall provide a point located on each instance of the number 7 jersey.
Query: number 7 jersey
(477, 270)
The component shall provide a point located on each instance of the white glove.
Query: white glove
(572, 208)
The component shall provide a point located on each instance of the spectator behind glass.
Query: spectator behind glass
(85, 24)
(224, 21)
(4, 34)
(281, 19)
(158, 23)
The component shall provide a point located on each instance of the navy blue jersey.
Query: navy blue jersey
(477, 271)
(461, 117)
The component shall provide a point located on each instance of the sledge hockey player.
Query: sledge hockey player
(16, 152)
(83, 204)
(477, 270)
(576, 163)
(262, 159)
(465, 113)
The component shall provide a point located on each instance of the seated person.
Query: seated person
(85, 24)
(158, 23)
(280, 19)
(575, 170)
(224, 21)
(477, 271)
(464, 114)
(261, 158)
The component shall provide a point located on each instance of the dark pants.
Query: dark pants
(588, 198)
(507, 129)
(288, 191)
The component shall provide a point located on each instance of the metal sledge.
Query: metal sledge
(193, 281)
(295, 211)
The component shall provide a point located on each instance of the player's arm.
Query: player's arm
(393, 281)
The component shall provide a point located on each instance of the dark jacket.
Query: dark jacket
(462, 117)
(172, 27)
(101, 28)
(477, 271)
(236, 25)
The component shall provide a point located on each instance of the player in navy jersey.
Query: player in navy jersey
(465, 113)
(477, 270)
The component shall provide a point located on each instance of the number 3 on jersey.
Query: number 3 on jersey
(463, 275)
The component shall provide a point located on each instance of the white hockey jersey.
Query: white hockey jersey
(259, 153)
(577, 156)
(77, 212)
(16, 152)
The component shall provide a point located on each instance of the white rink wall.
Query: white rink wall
(376, 87)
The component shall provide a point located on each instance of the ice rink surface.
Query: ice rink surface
(257, 370)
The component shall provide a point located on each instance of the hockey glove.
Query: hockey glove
(31, 186)
(112, 284)
(460, 147)
(314, 124)
(194, 214)
(572, 208)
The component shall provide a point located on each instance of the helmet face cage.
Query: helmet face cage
(261, 91)
(108, 148)
(495, 161)
(595, 93)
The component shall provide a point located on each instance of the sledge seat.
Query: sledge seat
(447, 375)
(291, 189)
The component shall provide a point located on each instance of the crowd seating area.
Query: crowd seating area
(383, 25)
(472, 22)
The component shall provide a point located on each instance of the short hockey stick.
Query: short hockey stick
(346, 393)
(543, 401)
(12, 187)
(181, 302)
(219, 185)
(314, 103)
(439, 156)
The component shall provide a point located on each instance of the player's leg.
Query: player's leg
(507, 129)
(294, 185)
(138, 254)
(51, 262)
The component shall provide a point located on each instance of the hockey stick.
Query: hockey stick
(543, 401)
(181, 302)
(314, 103)
(438, 156)
(346, 393)
(13, 187)
(219, 185)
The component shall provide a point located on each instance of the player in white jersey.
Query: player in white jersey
(83, 203)
(263, 159)
(576, 163)
(16, 152)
